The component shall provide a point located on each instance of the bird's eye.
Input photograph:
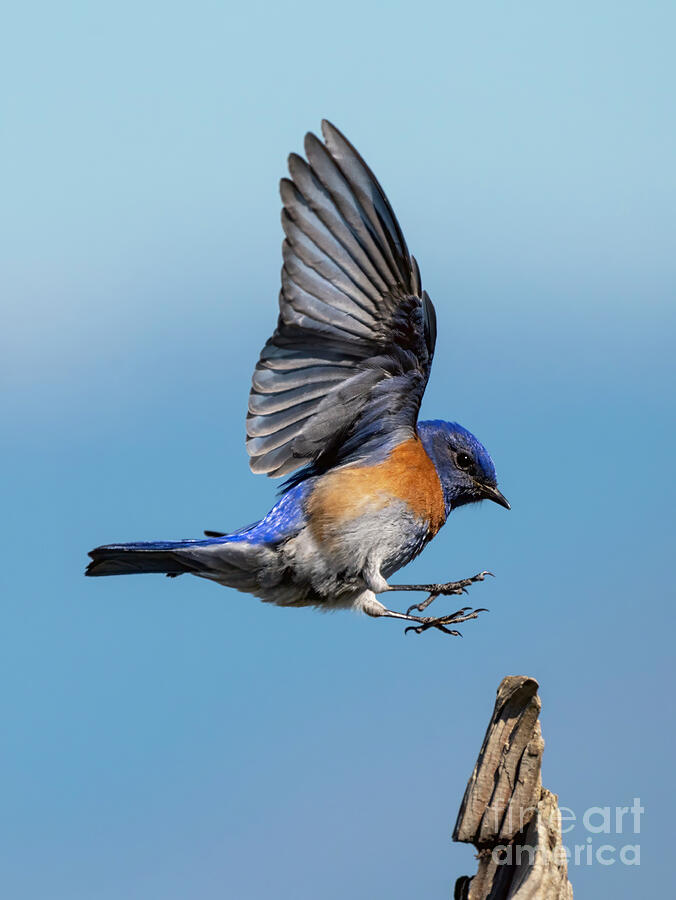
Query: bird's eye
(464, 461)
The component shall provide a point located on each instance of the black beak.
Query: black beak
(492, 493)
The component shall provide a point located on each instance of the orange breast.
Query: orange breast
(407, 474)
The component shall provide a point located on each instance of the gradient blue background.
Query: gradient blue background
(171, 739)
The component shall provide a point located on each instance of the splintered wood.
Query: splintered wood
(506, 813)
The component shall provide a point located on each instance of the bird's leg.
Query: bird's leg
(378, 585)
(437, 590)
(423, 623)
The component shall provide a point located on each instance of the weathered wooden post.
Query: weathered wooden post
(506, 813)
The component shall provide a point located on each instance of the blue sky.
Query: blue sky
(175, 739)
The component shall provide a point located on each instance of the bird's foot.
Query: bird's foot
(446, 590)
(441, 623)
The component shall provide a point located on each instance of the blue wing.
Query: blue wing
(347, 366)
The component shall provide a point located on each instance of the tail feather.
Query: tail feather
(231, 560)
(167, 557)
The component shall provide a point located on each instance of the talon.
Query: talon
(418, 607)
(445, 630)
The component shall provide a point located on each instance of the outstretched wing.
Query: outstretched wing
(347, 366)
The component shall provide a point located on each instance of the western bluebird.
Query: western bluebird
(334, 405)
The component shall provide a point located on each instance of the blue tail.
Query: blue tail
(235, 559)
(167, 557)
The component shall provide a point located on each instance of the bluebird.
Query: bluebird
(334, 407)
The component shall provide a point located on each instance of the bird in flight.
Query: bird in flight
(334, 407)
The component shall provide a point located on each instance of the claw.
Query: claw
(419, 607)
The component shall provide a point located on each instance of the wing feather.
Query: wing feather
(264, 381)
(373, 202)
(347, 205)
(298, 216)
(344, 373)
(317, 198)
(265, 404)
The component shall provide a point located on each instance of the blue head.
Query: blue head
(465, 469)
